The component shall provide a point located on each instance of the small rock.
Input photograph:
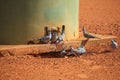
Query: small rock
(66, 57)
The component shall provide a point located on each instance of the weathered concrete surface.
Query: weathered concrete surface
(93, 45)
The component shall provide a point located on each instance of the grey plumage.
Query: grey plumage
(63, 52)
(87, 35)
(81, 49)
(114, 44)
(78, 51)
(62, 36)
(46, 38)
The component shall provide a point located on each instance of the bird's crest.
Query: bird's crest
(83, 29)
(113, 40)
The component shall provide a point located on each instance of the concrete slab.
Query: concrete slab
(93, 45)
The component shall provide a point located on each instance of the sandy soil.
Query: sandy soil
(99, 16)
(104, 66)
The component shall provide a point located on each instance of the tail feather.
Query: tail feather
(46, 31)
(63, 29)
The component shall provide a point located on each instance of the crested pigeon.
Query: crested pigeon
(62, 36)
(54, 37)
(46, 38)
(78, 51)
(114, 44)
(87, 35)
(63, 52)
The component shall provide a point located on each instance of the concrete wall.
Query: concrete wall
(22, 20)
(13, 21)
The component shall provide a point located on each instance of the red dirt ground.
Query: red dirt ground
(98, 16)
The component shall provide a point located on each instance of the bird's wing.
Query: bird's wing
(115, 44)
(88, 35)
(44, 38)
(61, 37)
(81, 50)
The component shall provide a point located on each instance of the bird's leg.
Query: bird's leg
(75, 54)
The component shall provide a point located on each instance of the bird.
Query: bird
(81, 49)
(114, 44)
(62, 36)
(46, 38)
(73, 51)
(63, 51)
(78, 51)
(46, 31)
(54, 37)
(87, 35)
